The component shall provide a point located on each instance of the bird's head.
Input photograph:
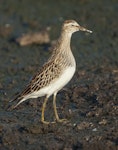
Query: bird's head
(71, 26)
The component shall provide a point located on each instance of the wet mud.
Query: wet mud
(89, 101)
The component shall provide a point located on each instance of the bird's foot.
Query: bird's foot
(47, 122)
(62, 120)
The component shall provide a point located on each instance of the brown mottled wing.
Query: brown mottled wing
(48, 73)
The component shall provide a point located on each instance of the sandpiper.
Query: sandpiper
(55, 73)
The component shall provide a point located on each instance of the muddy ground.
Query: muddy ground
(89, 101)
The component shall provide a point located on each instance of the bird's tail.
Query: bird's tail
(15, 102)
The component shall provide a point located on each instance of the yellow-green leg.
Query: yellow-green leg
(55, 109)
(43, 111)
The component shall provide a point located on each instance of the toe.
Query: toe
(62, 120)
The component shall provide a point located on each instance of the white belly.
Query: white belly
(56, 85)
(62, 81)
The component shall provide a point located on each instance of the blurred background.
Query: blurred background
(94, 83)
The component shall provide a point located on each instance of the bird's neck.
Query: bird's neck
(64, 40)
(62, 49)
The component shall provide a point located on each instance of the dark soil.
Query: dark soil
(89, 102)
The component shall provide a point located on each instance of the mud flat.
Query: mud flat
(89, 102)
